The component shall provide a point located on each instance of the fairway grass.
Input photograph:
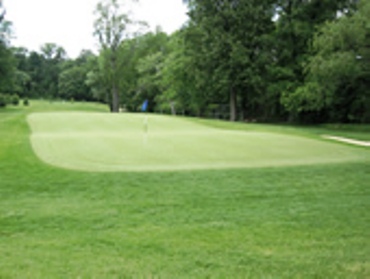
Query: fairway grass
(112, 142)
(299, 221)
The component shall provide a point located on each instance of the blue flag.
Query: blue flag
(144, 107)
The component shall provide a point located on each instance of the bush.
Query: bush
(14, 100)
(26, 102)
(2, 100)
(8, 99)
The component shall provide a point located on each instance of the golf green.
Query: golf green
(118, 142)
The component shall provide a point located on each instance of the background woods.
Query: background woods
(266, 60)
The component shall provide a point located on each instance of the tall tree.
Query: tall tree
(2, 11)
(53, 56)
(96, 82)
(338, 74)
(22, 77)
(35, 68)
(54, 52)
(175, 77)
(112, 28)
(296, 24)
(228, 39)
(7, 69)
(7, 62)
(152, 51)
(72, 78)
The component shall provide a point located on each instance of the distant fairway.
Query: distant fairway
(107, 142)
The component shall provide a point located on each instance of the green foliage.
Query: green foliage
(26, 102)
(7, 62)
(112, 28)
(149, 74)
(99, 89)
(72, 84)
(51, 51)
(266, 60)
(50, 75)
(9, 99)
(230, 46)
(36, 69)
(7, 69)
(176, 78)
(14, 100)
(38, 73)
(6, 30)
(3, 100)
(296, 25)
(22, 83)
(52, 57)
(339, 71)
(140, 61)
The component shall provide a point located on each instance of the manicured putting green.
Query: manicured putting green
(117, 142)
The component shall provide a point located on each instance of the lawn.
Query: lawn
(120, 142)
(284, 220)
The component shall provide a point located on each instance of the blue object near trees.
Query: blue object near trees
(144, 107)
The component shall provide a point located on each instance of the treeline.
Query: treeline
(249, 60)
(279, 60)
(44, 74)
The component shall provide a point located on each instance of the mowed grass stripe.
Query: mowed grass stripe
(105, 142)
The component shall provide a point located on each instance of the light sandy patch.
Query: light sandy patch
(347, 140)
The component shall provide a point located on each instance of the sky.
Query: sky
(69, 23)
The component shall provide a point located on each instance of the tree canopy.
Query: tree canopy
(266, 60)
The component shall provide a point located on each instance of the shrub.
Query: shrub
(14, 99)
(26, 102)
(3, 100)
(8, 99)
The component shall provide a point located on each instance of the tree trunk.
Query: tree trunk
(233, 106)
(115, 94)
(115, 99)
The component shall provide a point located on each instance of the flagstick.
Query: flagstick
(145, 138)
(144, 108)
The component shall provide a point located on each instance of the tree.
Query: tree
(7, 69)
(338, 74)
(5, 26)
(112, 28)
(151, 51)
(72, 78)
(52, 56)
(7, 62)
(22, 76)
(149, 69)
(176, 78)
(230, 50)
(99, 89)
(296, 24)
(5, 31)
(35, 68)
(2, 12)
(72, 84)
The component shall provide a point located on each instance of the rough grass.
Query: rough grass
(287, 222)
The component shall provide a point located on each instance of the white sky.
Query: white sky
(69, 23)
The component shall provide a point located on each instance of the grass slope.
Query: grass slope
(117, 142)
(288, 222)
